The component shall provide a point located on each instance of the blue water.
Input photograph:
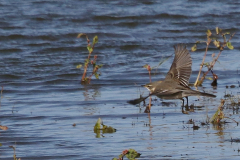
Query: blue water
(43, 96)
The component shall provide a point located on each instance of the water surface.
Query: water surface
(43, 97)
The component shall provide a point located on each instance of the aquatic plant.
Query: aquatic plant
(95, 70)
(99, 126)
(14, 154)
(220, 45)
(219, 114)
(131, 154)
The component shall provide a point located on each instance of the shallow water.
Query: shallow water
(43, 97)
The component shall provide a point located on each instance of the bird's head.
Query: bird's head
(151, 86)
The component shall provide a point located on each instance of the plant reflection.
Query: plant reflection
(91, 92)
(220, 129)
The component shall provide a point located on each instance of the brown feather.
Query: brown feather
(181, 68)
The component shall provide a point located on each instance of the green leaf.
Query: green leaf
(229, 45)
(194, 48)
(145, 66)
(206, 64)
(90, 49)
(216, 43)
(148, 67)
(198, 42)
(78, 66)
(199, 83)
(108, 129)
(209, 78)
(0, 144)
(98, 124)
(96, 75)
(132, 154)
(227, 33)
(100, 65)
(209, 33)
(86, 79)
(95, 40)
(121, 156)
(105, 129)
(218, 30)
(86, 61)
(80, 34)
(219, 114)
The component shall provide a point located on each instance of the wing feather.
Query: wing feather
(181, 67)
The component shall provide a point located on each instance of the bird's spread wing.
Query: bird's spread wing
(181, 68)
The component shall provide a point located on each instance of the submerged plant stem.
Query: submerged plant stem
(201, 66)
(84, 72)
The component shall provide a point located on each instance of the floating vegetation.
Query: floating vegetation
(131, 154)
(100, 127)
(219, 115)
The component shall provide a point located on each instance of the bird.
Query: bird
(175, 84)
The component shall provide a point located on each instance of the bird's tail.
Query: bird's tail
(207, 94)
(138, 100)
(197, 93)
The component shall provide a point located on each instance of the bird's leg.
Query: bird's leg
(187, 100)
(182, 102)
(183, 106)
